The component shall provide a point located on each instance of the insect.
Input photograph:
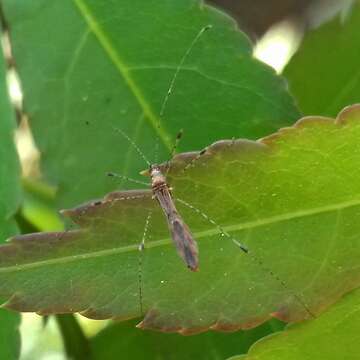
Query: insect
(181, 235)
(184, 241)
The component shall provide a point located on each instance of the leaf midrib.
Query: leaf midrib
(123, 70)
(197, 235)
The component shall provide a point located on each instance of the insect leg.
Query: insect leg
(173, 150)
(176, 74)
(199, 155)
(140, 261)
(194, 160)
(252, 256)
(123, 177)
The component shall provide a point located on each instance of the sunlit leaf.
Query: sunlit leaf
(333, 336)
(87, 66)
(292, 199)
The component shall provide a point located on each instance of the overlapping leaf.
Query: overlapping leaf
(88, 66)
(292, 199)
(111, 342)
(332, 336)
(324, 74)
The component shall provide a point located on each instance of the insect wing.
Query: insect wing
(184, 242)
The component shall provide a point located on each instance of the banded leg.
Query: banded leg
(199, 155)
(252, 256)
(173, 150)
(123, 177)
(141, 248)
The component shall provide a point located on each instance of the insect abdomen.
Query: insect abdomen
(184, 242)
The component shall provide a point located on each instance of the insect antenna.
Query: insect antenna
(163, 106)
(252, 256)
(173, 151)
(123, 177)
(138, 150)
(178, 68)
(133, 144)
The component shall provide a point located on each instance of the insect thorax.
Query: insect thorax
(158, 179)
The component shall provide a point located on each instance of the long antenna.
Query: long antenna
(127, 178)
(133, 144)
(174, 77)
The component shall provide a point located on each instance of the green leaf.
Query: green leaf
(9, 202)
(75, 342)
(324, 74)
(38, 208)
(9, 335)
(333, 336)
(88, 66)
(292, 199)
(114, 341)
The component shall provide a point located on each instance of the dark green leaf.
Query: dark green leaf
(88, 66)
(116, 340)
(9, 335)
(75, 342)
(324, 74)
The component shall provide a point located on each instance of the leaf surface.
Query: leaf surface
(324, 74)
(88, 66)
(334, 335)
(292, 199)
(9, 202)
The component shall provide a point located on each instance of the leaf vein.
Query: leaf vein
(123, 70)
(198, 235)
